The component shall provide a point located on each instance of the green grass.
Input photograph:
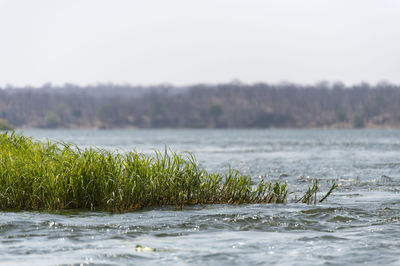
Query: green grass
(51, 176)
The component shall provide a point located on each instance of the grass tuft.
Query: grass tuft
(50, 176)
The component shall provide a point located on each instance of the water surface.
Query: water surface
(359, 224)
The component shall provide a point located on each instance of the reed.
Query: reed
(50, 176)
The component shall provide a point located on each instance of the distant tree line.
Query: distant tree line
(231, 105)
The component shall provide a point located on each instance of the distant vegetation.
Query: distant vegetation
(4, 125)
(49, 176)
(232, 105)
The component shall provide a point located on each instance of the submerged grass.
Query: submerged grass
(45, 175)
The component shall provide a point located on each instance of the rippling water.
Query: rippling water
(359, 224)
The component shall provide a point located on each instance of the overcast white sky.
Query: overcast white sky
(191, 41)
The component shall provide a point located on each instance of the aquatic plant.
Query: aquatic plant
(45, 175)
(310, 196)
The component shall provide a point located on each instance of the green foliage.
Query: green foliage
(52, 120)
(4, 125)
(215, 110)
(341, 116)
(37, 175)
(358, 122)
(76, 113)
(310, 197)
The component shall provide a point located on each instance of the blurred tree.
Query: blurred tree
(4, 125)
(358, 122)
(341, 116)
(52, 120)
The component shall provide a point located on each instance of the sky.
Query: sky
(184, 42)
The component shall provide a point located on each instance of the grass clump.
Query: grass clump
(44, 175)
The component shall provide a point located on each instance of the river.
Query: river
(358, 224)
